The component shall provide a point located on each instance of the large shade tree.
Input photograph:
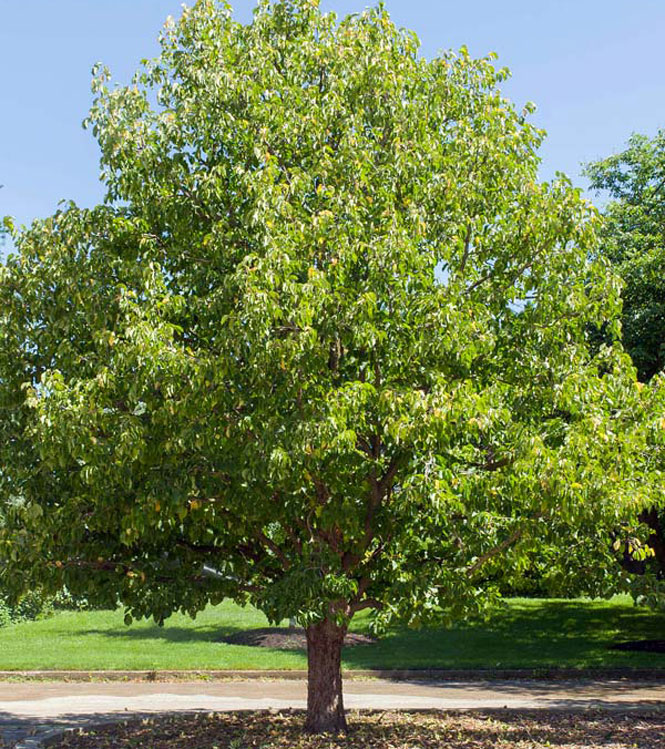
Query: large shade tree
(321, 349)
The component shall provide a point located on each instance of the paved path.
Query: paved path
(31, 709)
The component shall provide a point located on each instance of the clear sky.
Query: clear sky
(594, 68)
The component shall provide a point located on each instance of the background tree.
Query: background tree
(633, 240)
(3, 229)
(322, 349)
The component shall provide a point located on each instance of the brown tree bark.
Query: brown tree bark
(325, 703)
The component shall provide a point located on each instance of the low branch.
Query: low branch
(199, 549)
(279, 553)
(367, 603)
(297, 543)
(515, 276)
(506, 543)
(491, 465)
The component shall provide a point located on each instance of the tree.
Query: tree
(632, 238)
(3, 229)
(322, 349)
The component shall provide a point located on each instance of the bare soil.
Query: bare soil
(383, 730)
(285, 638)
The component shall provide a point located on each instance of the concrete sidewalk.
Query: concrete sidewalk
(34, 708)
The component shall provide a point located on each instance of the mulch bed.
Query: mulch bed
(644, 646)
(383, 730)
(285, 638)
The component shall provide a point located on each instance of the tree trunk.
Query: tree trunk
(325, 704)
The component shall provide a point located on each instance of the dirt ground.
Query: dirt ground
(383, 730)
(285, 638)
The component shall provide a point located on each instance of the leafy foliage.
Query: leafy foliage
(633, 240)
(323, 347)
(32, 605)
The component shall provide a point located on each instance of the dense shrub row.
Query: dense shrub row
(37, 605)
(33, 605)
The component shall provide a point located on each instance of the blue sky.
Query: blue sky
(594, 68)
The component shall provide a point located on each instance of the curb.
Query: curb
(404, 674)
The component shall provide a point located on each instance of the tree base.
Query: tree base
(325, 701)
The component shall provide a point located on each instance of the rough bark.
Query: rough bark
(325, 703)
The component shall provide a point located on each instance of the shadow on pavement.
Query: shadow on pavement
(14, 728)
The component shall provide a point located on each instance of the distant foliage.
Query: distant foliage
(632, 238)
(30, 606)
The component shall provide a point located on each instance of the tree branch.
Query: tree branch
(279, 553)
(467, 247)
(367, 603)
(515, 536)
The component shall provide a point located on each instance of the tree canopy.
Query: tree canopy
(324, 347)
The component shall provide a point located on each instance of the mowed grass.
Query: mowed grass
(527, 633)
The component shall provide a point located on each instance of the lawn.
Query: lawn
(529, 633)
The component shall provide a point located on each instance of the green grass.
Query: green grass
(530, 633)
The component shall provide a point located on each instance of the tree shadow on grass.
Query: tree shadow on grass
(522, 635)
(172, 634)
(272, 638)
(549, 633)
